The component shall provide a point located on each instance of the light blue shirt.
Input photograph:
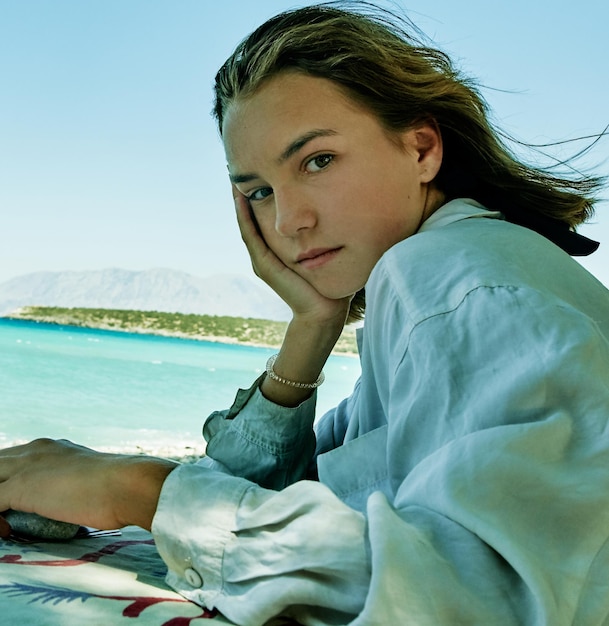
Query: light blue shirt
(465, 480)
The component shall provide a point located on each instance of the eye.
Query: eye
(259, 194)
(318, 163)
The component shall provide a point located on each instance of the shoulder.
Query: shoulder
(433, 271)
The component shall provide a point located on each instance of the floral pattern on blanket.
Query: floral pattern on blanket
(102, 580)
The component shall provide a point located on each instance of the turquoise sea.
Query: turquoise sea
(121, 391)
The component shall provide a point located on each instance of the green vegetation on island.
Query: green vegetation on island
(225, 329)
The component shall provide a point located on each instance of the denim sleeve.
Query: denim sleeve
(266, 443)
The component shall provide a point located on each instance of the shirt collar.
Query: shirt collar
(556, 231)
(455, 211)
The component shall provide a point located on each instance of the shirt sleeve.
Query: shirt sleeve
(254, 553)
(264, 442)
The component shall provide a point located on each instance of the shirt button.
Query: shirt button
(193, 578)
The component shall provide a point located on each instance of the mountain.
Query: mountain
(151, 290)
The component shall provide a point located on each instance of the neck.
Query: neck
(434, 199)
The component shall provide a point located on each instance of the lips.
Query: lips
(317, 257)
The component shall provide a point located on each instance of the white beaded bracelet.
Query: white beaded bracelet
(270, 372)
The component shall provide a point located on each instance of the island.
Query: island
(223, 329)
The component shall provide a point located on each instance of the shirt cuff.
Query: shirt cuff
(266, 443)
(180, 527)
(258, 419)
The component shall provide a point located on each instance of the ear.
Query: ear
(426, 142)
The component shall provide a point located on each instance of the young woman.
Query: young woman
(466, 479)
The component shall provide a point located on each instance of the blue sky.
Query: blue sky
(109, 157)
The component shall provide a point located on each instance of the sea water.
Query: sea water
(123, 391)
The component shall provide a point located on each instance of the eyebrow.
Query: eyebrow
(290, 150)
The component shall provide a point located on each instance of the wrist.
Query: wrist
(333, 320)
(272, 374)
(295, 372)
(140, 481)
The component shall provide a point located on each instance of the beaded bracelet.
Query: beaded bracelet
(270, 372)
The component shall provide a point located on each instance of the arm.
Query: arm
(267, 435)
(70, 483)
(500, 508)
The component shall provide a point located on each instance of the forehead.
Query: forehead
(285, 107)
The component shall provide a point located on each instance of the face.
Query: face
(330, 188)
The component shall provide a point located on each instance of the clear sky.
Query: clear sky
(109, 156)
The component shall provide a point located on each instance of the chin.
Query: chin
(339, 293)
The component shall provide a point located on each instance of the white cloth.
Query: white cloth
(465, 481)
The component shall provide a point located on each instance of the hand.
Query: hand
(316, 324)
(304, 300)
(71, 483)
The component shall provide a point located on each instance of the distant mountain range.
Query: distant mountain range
(151, 290)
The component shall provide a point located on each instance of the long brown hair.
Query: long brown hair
(378, 58)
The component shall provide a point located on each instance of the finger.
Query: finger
(247, 222)
(286, 283)
(261, 255)
(241, 202)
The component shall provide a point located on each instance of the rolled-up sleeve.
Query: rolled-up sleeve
(254, 553)
(257, 439)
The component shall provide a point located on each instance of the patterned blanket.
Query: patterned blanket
(99, 579)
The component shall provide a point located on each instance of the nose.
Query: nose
(294, 212)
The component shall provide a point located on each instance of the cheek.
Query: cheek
(265, 221)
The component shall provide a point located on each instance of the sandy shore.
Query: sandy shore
(183, 453)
